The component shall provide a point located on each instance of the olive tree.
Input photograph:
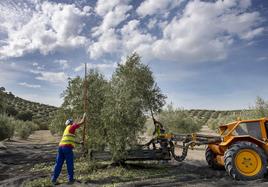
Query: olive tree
(6, 127)
(73, 106)
(132, 92)
(177, 120)
(261, 107)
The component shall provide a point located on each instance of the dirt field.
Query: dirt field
(18, 157)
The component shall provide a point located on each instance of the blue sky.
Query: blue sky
(204, 54)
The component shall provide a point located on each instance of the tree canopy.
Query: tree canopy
(117, 108)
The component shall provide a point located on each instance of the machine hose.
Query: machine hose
(185, 148)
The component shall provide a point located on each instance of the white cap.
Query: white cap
(68, 121)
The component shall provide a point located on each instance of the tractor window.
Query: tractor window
(249, 128)
(266, 127)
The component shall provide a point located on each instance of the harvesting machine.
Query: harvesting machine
(241, 147)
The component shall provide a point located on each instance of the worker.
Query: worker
(158, 131)
(159, 128)
(65, 151)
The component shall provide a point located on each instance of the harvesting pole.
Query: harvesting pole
(85, 106)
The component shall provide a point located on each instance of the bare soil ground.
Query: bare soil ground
(17, 158)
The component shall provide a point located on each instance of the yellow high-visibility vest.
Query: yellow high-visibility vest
(67, 138)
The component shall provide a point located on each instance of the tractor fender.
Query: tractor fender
(246, 138)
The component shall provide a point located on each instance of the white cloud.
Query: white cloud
(102, 66)
(63, 63)
(108, 42)
(52, 77)
(95, 66)
(41, 67)
(38, 67)
(35, 64)
(253, 33)
(29, 85)
(206, 30)
(150, 7)
(112, 13)
(134, 39)
(262, 58)
(202, 31)
(104, 6)
(152, 23)
(79, 68)
(46, 28)
(112, 18)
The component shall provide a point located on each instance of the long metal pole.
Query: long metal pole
(85, 107)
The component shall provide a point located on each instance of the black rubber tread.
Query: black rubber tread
(229, 163)
(210, 157)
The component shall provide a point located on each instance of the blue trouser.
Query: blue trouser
(64, 153)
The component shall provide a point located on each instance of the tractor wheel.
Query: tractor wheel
(210, 157)
(245, 161)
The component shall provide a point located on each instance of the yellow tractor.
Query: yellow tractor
(243, 150)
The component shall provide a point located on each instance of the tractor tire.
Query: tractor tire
(245, 161)
(210, 157)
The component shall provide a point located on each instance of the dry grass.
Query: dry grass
(101, 173)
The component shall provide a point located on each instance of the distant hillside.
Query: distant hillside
(208, 114)
(42, 113)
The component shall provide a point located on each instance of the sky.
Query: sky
(209, 54)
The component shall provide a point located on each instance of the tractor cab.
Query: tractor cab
(255, 129)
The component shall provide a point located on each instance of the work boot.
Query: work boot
(73, 181)
(54, 183)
